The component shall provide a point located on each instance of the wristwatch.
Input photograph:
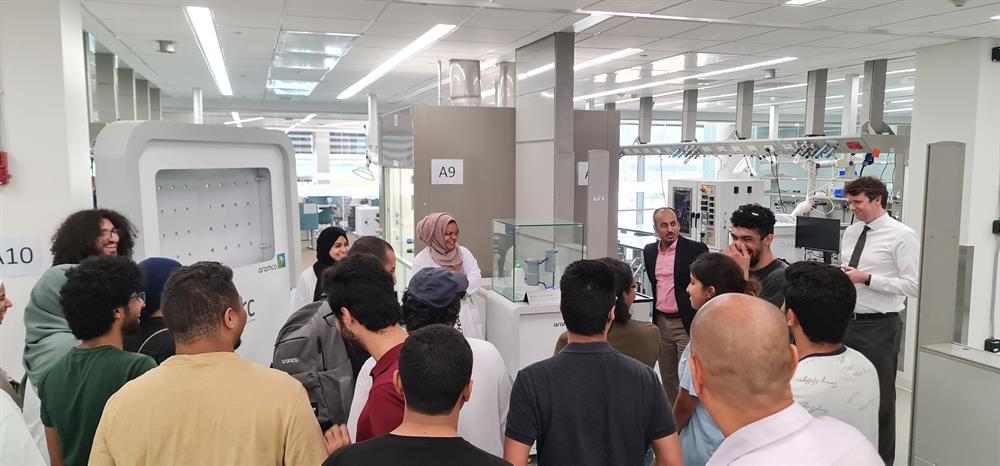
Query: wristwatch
(868, 282)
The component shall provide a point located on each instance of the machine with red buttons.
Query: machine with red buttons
(704, 206)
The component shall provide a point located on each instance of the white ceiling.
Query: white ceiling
(835, 34)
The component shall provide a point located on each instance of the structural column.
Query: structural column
(609, 105)
(852, 96)
(197, 106)
(321, 147)
(816, 102)
(126, 94)
(773, 122)
(141, 99)
(45, 134)
(873, 104)
(154, 104)
(545, 171)
(106, 93)
(744, 109)
(645, 119)
(689, 115)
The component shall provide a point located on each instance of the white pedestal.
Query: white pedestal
(524, 334)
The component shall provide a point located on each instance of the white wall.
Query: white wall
(957, 99)
(44, 130)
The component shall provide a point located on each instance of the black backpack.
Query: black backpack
(313, 352)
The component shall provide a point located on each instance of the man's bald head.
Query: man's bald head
(743, 352)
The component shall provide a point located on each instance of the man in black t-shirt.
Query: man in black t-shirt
(589, 404)
(434, 376)
(752, 231)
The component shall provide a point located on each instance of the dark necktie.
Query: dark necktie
(856, 255)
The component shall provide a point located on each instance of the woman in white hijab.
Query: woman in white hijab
(439, 231)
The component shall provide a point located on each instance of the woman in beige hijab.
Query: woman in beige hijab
(439, 231)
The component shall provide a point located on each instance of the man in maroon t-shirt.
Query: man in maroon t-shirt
(365, 311)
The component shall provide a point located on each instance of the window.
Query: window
(302, 142)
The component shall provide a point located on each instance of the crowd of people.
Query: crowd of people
(760, 362)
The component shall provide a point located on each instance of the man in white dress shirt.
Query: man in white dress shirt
(832, 379)
(881, 256)
(741, 364)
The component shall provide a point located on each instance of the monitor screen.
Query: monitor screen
(818, 234)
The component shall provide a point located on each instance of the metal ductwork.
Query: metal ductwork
(466, 89)
(506, 84)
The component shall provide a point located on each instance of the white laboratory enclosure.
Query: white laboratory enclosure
(210, 193)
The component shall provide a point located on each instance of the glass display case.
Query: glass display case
(531, 255)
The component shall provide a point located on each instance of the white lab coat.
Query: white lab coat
(468, 316)
(304, 289)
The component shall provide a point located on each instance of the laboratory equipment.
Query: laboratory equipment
(365, 220)
(533, 255)
(704, 206)
(818, 234)
(211, 193)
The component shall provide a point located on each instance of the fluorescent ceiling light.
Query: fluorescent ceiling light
(902, 101)
(685, 78)
(245, 120)
(536, 71)
(308, 118)
(547, 94)
(203, 26)
(790, 86)
(606, 58)
(898, 110)
(909, 70)
(669, 103)
(664, 94)
(426, 40)
(236, 119)
(900, 89)
(803, 2)
(589, 22)
(995, 17)
(291, 87)
(839, 107)
(488, 64)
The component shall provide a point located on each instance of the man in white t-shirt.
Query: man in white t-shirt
(434, 296)
(831, 379)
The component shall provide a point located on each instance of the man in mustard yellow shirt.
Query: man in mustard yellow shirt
(206, 405)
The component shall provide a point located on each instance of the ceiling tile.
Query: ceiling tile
(113, 10)
(719, 9)
(633, 6)
(880, 15)
(423, 14)
(255, 14)
(681, 45)
(851, 40)
(472, 34)
(791, 15)
(659, 28)
(563, 24)
(512, 19)
(724, 32)
(989, 29)
(176, 28)
(913, 43)
(801, 51)
(315, 24)
(369, 40)
(340, 9)
(385, 28)
(546, 4)
(789, 36)
(741, 48)
(609, 41)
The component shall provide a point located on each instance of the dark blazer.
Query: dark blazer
(687, 252)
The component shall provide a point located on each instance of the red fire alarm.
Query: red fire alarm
(4, 171)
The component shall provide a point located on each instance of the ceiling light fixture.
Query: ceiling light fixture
(803, 2)
(245, 120)
(536, 71)
(664, 94)
(685, 78)
(203, 26)
(589, 22)
(995, 17)
(606, 58)
(902, 101)
(900, 89)
(308, 118)
(426, 40)
(488, 64)
(236, 119)
(898, 110)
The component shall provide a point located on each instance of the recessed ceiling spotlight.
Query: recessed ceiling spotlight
(165, 46)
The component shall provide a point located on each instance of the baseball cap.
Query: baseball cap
(437, 287)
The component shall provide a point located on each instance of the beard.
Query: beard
(754, 258)
(131, 326)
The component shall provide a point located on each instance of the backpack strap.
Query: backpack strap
(143, 345)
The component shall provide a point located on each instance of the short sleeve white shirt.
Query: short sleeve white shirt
(842, 385)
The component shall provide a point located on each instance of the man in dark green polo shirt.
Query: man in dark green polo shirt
(101, 301)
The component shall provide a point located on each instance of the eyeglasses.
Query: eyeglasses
(141, 296)
(330, 320)
(635, 287)
(105, 234)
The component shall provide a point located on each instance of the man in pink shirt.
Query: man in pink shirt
(667, 262)
(741, 366)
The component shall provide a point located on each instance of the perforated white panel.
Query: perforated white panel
(222, 215)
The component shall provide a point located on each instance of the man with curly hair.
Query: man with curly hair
(101, 301)
(48, 337)
(752, 231)
(92, 232)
